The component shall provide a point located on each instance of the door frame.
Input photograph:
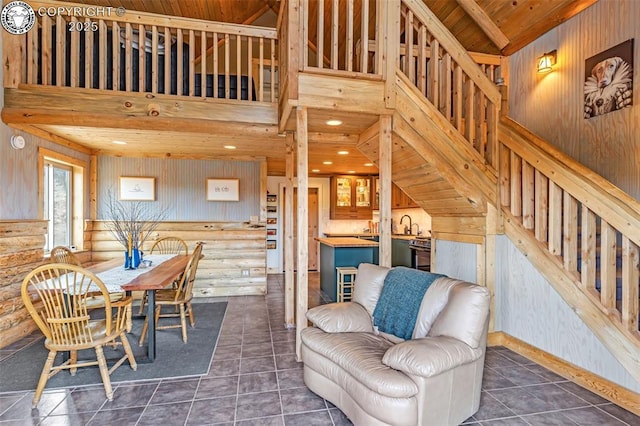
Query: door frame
(318, 192)
(323, 193)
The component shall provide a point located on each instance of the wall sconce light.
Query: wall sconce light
(546, 61)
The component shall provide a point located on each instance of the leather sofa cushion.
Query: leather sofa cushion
(368, 285)
(346, 317)
(428, 357)
(434, 300)
(360, 355)
(465, 315)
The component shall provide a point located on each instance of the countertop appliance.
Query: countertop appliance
(421, 253)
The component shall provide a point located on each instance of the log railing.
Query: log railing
(493, 66)
(331, 32)
(449, 78)
(590, 228)
(181, 56)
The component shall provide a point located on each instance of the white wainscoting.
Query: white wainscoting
(528, 308)
(454, 259)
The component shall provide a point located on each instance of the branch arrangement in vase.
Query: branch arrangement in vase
(132, 222)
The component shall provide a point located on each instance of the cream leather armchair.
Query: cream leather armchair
(376, 378)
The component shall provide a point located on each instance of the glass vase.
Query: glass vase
(132, 259)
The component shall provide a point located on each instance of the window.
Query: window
(62, 198)
(58, 192)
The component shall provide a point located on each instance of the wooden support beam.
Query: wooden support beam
(93, 187)
(384, 167)
(389, 57)
(302, 281)
(485, 23)
(263, 190)
(289, 285)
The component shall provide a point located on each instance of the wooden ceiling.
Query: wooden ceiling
(488, 26)
(521, 21)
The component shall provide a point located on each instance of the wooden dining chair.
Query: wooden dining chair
(55, 295)
(62, 254)
(179, 297)
(166, 245)
(170, 245)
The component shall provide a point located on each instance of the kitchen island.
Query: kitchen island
(343, 251)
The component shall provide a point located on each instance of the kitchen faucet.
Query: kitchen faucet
(417, 228)
(405, 227)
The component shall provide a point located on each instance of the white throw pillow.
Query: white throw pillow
(368, 285)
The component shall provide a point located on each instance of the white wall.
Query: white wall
(528, 308)
(454, 259)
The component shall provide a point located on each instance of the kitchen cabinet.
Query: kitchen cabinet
(399, 200)
(351, 197)
(400, 252)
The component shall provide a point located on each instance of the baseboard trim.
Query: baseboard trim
(608, 390)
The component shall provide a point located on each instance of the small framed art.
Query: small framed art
(137, 188)
(223, 189)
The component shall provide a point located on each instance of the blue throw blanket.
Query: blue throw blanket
(400, 299)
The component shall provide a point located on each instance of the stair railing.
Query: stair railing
(591, 227)
(334, 42)
(438, 65)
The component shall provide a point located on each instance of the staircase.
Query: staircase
(581, 232)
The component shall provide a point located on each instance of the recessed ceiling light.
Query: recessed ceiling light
(119, 142)
(327, 162)
(334, 122)
(229, 147)
(315, 170)
(368, 164)
(343, 152)
(351, 171)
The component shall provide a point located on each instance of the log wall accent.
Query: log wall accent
(230, 248)
(21, 250)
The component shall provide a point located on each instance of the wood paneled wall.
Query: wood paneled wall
(21, 244)
(180, 186)
(551, 105)
(230, 248)
(19, 174)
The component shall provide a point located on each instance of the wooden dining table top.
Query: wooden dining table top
(156, 278)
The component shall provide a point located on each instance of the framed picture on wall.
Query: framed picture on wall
(271, 244)
(271, 231)
(272, 209)
(272, 221)
(223, 189)
(137, 188)
(608, 84)
(271, 198)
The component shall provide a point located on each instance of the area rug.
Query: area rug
(174, 358)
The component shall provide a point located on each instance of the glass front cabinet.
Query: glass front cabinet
(351, 197)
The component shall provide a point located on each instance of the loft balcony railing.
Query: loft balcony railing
(146, 53)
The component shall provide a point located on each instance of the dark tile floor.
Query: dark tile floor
(254, 379)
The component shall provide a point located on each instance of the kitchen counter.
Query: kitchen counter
(347, 242)
(350, 234)
(368, 235)
(343, 251)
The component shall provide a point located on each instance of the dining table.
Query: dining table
(149, 279)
